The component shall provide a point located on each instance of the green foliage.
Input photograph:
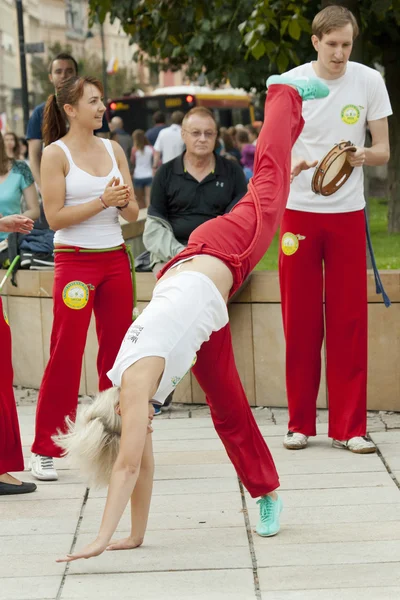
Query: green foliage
(244, 41)
(91, 65)
(220, 39)
(240, 41)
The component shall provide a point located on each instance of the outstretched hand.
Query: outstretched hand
(16, 224)
(93, 549)
(299, 165)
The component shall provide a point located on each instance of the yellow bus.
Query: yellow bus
(229, 106)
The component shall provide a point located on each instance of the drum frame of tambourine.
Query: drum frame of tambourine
(322, 169)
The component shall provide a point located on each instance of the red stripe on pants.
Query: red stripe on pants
(111, 299)
(331, 259)
(229, 238)
(11, 458)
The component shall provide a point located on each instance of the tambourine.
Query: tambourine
(333, 170)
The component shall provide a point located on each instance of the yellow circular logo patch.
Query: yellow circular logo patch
(350, 114)
(289, 244)
(76, 295)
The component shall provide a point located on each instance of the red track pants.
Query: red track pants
(330, 258)
(82, 283)
(240, 239)
(11, 458)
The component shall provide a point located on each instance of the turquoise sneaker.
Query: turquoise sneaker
(309, 88)
(270, 510)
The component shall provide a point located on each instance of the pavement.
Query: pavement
(340, 536)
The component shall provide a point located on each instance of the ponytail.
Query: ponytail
(54, 122)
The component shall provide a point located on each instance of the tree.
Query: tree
(243, 41)
(119, 82)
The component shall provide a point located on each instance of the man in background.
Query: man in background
(169, 143)
(159, 124)
(121, 136)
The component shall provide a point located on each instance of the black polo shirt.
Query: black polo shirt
(186, 203)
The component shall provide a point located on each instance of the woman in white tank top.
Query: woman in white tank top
(85, 186)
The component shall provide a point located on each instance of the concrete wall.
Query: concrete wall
(257, 337)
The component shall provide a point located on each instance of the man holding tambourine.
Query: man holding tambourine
(323, 241)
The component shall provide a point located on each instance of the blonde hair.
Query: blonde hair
(91, 444)
(331, 18)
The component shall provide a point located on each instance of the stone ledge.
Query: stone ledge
(262, 287)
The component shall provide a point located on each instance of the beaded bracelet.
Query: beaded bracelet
(122, 207)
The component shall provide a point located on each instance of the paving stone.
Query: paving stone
(294, 516)
(332, 553)
(280, 416)
(194, 471)
(173, 550)
(50, 491)
(339, 497)
(180, 585)
(167, 487)
(387, 437)
(391, 420)
(29, 588)
(372, 593)
(362, 531)
(327, 576)
(334, 480)
(210, 457)
(344, 464)
(172, 517)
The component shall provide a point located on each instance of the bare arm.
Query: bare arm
(131, 212)
(54, 168)
(139, 384)
(35, 156)
(379, 153)
(32, 202)
(156, 159)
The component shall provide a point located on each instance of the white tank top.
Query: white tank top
(182, 314)
(101, 231)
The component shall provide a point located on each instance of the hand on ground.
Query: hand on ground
(93, 549)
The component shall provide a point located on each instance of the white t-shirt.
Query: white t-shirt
(143, 163)
(356, 98)
(170, 143)
(182, 314)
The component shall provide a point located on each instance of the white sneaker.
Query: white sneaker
(359, 445)
(295, 441)
(42, 467)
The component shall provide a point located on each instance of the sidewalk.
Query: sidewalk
(340, 536)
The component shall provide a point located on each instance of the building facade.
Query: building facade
(65, 22)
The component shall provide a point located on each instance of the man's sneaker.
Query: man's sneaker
(42, 262)
(295, 441)
(309, 88)
(270, 510)
(157, 409)
(25, 260)
(42, 467)
(359, 445)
